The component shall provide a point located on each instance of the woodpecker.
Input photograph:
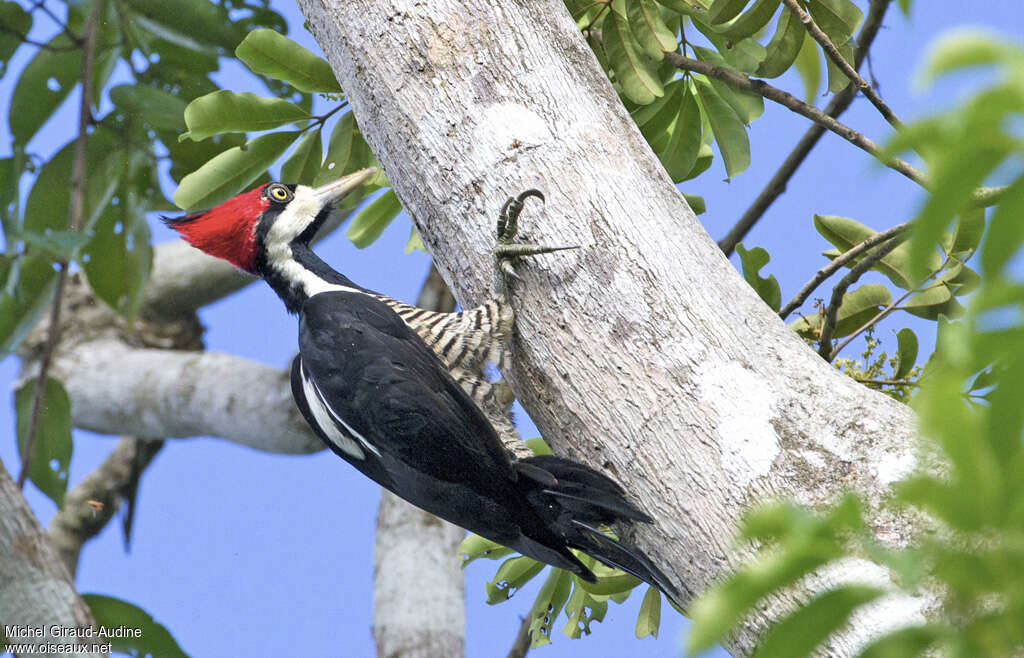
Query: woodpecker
(399, 392)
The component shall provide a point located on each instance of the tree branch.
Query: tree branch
(75, 210)
(833, 54)
(35, 588)
(839, 103)
(161, 393)
(80, 520)
(855, 273)
(836, 264)
(762, 88)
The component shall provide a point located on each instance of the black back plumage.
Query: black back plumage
(396, 414)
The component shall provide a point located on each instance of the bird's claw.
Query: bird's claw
(506, 250)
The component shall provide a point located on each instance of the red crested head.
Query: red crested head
(227, 231)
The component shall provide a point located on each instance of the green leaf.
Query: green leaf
(904, 6)
(580, 611)
(474, 547)
(784, 45)
(913, 641)
(696, 203)
(44, 83)
(51, 455)
(547, 606)
(680, 152)
(846, 233)
(276, 56)
(649, 618)
(634, 71)
(752, 261)
(725, 10)
(373, 218)
(837, 80)
(730, 134)
(229, 112)
(647, 26)
(18, 21)
(118, 258)
(609, 585)
(857, 308)
(339, 150)
(153, 637)
(751, 21)
(415, 243)
(906, 353)
(303, 164)
(160, 109)
(803, 631)
(22, 304)
(970, 226)
(1006, 231)
(656, 118)
(58, 245)
(231, 172)
(808, 64)
(968, 48)
(839, 19)
(539, 446)
(747, 106)
(718, 609)
(191, 24)
(510, 577)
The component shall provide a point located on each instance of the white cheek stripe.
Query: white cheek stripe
(326, 417)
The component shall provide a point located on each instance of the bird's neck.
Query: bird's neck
(296, 274)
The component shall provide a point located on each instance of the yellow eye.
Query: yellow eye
(279, 192)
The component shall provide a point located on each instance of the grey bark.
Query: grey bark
(644, 353)
(35, 588)
(419, 592)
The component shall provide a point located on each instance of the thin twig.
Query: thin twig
(839, 104)
(832, 312)
(886, 382)
(762, 88)
(75, 39)
(878, 317)
(833, 54)
(75, 211)
(521, 645)
(32, 42)
(836, 263)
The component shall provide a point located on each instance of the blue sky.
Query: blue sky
(244, 553)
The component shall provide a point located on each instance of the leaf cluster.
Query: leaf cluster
(969, 406)
(681, 114)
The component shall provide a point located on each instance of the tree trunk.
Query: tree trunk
(643, 353)
(35, 588)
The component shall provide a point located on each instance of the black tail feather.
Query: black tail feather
(574, 502)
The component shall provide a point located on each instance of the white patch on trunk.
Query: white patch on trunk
(744, 404)
(507, 127)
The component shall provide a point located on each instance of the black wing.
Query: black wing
(390, 395)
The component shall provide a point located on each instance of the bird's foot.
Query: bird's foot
(507, 250)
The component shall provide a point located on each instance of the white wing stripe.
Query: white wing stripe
(323, 406)
(323, 419)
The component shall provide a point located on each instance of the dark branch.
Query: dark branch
(839, 104)
(833, 54)
(90, 505)
(832, 312)
(521, 645)
(75, 211)
(836, 264)
(762, 88)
